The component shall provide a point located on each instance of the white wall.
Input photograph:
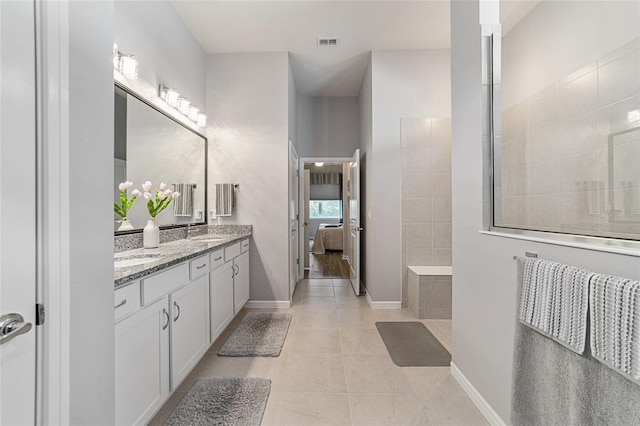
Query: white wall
(575, 34)
(327, 127)
(166, 50)
(247, 102)
(484, 274)
(91, 332)
(411, 83)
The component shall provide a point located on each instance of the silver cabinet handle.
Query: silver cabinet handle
(166, 314)
(178, 307)
(233, 271)
(12, 325)
(217, 258)
(124, 301)
(237, 269)
(201, 266)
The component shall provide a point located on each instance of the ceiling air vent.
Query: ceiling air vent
(328, 41)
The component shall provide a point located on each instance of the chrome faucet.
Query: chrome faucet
(188, 231)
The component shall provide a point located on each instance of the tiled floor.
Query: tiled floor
(334, 368)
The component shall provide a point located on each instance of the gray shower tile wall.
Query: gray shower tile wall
(425, 194)
(569, 154)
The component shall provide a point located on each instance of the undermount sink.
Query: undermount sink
(209, 238)
(136, 259)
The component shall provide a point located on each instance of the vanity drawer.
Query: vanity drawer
(126, 300)
(216, 259)
(244, 245)
(165, 282)
(231, 252)
(199, 267)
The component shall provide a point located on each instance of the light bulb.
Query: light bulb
(193, 113)
(183, 106)
(129, 66)
(202, 120)
(116, 57)
(319, 163)
(172, 96)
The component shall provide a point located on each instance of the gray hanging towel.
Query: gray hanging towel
(225, 199)
(183, 206)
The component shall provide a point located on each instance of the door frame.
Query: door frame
(302, 244)
(53, 227)
(295, 159)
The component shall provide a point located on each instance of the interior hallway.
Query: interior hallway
(335, 370)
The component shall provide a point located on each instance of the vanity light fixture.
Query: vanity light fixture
(182, 105)
(319, 163)
(125, 63)
(633, 116)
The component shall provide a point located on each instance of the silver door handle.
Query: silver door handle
(124, 301)
(177, 316)
(12, 325)
(166, 314)
(237, 270)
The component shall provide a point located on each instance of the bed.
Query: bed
(328, 237)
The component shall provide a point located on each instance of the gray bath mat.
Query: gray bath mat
(411, 344)
(258, 334)
(214, 401)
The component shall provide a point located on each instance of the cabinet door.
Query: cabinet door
(142, 363)
(241, 281)
(189, 327)
(221, 298)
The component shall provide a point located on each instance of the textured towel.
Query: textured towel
(615, 324)
(225, 199)
(183, 206)
(554, 301)
(555, 386)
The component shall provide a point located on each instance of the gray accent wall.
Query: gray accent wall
(327, 127)
(248, 130)
(404, 84)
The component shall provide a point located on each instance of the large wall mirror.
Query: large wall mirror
(151, 146)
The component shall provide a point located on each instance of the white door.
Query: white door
(294, 258)
(306, 185)
(17, 213)
(354, 221)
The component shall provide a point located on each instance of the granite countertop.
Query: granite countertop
(168, 254)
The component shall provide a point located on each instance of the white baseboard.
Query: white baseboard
(492, 417)
(268, 304)
(383, 305)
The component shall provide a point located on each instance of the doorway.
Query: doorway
(330, 225)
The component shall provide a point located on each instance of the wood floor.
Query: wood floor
(327, 265)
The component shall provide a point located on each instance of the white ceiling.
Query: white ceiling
(361, 26)
(294, 26)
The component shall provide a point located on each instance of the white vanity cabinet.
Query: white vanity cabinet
(221, 293)
(142, 363)
(240, 281)
(189, 327)
(165, 322)
(158, 344)
(229, 285)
